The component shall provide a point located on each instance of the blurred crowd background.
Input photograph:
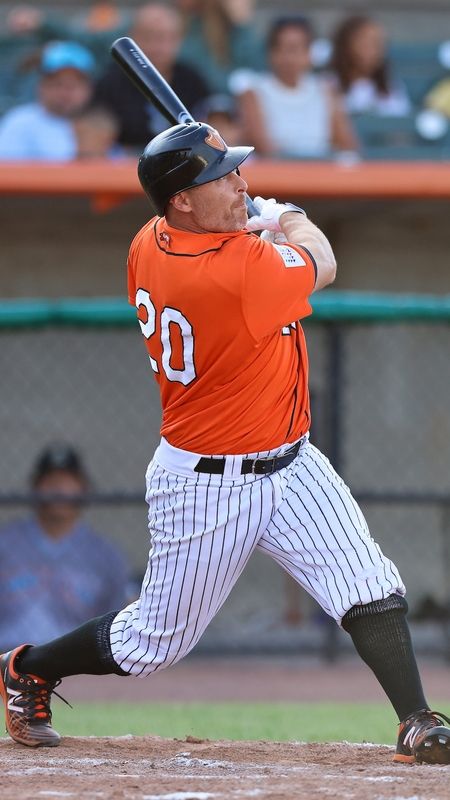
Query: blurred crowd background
(272, 75)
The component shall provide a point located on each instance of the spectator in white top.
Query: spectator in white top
(43, 130)
(362, 70)
(290, 112)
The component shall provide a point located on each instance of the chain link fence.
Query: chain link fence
(380, 387)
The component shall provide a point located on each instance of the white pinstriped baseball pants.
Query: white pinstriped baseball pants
(204, 529)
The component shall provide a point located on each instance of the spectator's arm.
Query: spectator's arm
(343, 136)
(253, 123)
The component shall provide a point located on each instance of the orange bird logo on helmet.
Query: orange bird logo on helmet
(215, 140)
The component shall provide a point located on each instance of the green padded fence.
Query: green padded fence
(328, 306)
(76, 370)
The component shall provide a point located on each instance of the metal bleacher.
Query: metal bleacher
(399, 138)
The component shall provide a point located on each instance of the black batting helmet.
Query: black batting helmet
(184, 156)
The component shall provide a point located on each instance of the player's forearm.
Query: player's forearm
(298, 229)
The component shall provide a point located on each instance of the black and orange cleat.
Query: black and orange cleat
(27, 704)
(423, 737)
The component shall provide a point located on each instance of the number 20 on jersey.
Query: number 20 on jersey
(168, 316)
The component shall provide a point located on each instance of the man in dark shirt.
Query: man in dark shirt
(157, 30)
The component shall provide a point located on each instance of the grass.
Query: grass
(307, 722)
(318, 722)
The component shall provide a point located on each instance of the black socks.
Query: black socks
(86, 650)
(381, 636)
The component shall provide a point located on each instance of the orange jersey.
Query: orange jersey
(219, 313)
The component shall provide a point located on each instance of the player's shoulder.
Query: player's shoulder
(273, 255)
(240, 248)
(244, 240)
(255, 248)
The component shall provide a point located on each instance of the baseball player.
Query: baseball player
(219, 310)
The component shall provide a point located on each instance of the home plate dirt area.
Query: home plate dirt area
(151, 768)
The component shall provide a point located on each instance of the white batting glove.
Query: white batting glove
(269, 215)
(276, 237)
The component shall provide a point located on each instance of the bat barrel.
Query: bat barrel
(154, 87)
(148, 80)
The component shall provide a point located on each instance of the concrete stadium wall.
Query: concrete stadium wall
(58, 247)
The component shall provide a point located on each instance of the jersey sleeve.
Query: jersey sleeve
(277, 282)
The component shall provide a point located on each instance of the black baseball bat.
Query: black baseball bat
(154, 87)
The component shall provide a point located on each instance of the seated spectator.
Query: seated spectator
(43, 130)
(96, 131)
(23, 19)
(362, 70)
(102, 16)
(157, 30)
(95, 27)
(290, 112)
(219, 37)
(438, 98)
(220, 111)
(55, 572)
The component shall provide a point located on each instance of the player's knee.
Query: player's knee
(140, 654)
(142, 665)
(395, 602)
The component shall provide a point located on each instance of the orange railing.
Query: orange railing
(111, 181)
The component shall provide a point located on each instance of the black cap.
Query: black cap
(58, 457)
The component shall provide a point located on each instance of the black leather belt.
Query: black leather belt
(256, 466)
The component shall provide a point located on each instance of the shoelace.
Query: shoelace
(439, 716)
(36, 698)
(431, 717)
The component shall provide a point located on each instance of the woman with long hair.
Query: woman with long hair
(289, 111)
(362, 70)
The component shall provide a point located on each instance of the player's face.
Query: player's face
(218, 206)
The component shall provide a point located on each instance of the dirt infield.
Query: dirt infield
(151, 768)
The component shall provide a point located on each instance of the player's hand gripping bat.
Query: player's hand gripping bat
(154, 87)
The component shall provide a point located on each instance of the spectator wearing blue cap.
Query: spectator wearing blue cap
(43, 130)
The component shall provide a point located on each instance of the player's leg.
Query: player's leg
(320, 536)
(204, 529)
